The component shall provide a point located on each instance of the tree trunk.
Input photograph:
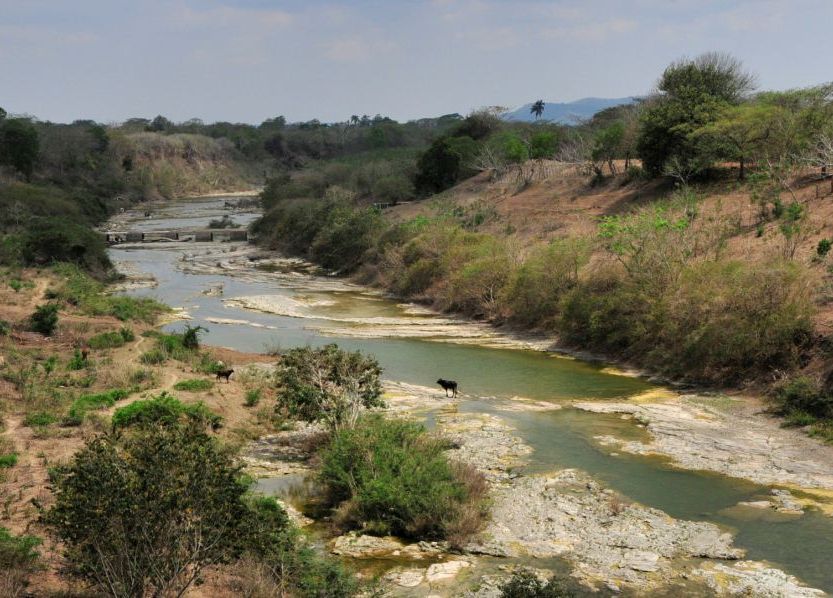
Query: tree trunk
(742, 173)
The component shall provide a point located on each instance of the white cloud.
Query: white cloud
(591, 32)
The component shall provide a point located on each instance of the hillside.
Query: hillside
(566, 113)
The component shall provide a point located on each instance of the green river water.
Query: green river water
(801, 546)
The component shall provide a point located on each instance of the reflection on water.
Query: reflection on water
(800, 545)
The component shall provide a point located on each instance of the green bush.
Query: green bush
(824, 246)
(18, 560)
(39, 419)
(89, 295)
(194, 385)
(5, 328)
(252, 397)
(145, 511)
(111, 339)
(154, 356)
(328, 384)
(526, 584)
(391, 477)
(8, 460)
(803, 398)
(55, 240)
(44, 319)
(84, 403)
(163, 409)
(77, 362)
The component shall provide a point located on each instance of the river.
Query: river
(307, 310)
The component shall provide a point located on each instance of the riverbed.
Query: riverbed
(256, 303)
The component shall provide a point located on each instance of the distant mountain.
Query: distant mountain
(568, 113)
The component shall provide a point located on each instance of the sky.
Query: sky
(248, 60)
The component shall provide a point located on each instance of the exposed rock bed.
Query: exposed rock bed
(743, 445)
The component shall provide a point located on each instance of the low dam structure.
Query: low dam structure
(205, 235)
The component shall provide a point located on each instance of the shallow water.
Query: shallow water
(488, 377)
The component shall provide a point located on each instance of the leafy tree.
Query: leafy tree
(160, 123)
(693, 93)
(328, 384)
(145, 512)
(525, 584)
(45, 319)
(608, 144)
(19, 145)
(543, 145)
(537, 109)
(740, 132)
(443, 164)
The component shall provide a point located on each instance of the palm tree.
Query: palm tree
(537, 109)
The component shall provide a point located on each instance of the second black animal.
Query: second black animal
(448, 385)
(224, 374)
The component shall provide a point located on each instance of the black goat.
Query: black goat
(225, 374)
(448, 385)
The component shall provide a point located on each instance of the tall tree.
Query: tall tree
(537, 109)
(19, 145)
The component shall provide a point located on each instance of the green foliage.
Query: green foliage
(391, 477)
(18, 551)
(39, 419)
(823, 247)
(191, 337)
(526, 584)
(194, 385)
(8, 460)
(163, 410)
(5, 328)
(111, 339)
(77, 362)
(804, 397)
(535, 291)
(444, 163)
(19, 145)
(84, 403)
(144, 512)
(694, 94)
(81, 290)
(292, 566)
(252, 397)
(154, 356)
(54, 240)
(543, 145)
(44, 319)
(328, 384)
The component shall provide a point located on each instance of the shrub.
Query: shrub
(194, 385)
(39, 419)
(145, 512)
(224, 222)
(111, 340)
(18, 560)
(803, 397)
(163, 409)
(191, 336)
(56, 240)
(8, 460)
(77, 362)
(153, 357)
(823, 248)
(526, 584)
(5, 328)
(45, 319)
(328, 384)
(85, 403)
(252, 397)
(391, 477)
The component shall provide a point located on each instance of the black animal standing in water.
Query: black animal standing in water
(225, 374)
(448, 385)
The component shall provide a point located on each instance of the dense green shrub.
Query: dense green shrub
(328, 384)
(44, 319)
(194, 385)
(56, 240)
(526, 584)
(252, 397)
(145, 511)
(154, 356)
(8, 460)
(391, 477)
(39, 419)
(84, 403)
(5, 328)
(77, 361)
(804, 398)
(18, 560)
(111, 340)
(163, 409)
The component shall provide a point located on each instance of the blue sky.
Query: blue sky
(247, 60)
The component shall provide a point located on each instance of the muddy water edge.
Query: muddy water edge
(520, 398)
